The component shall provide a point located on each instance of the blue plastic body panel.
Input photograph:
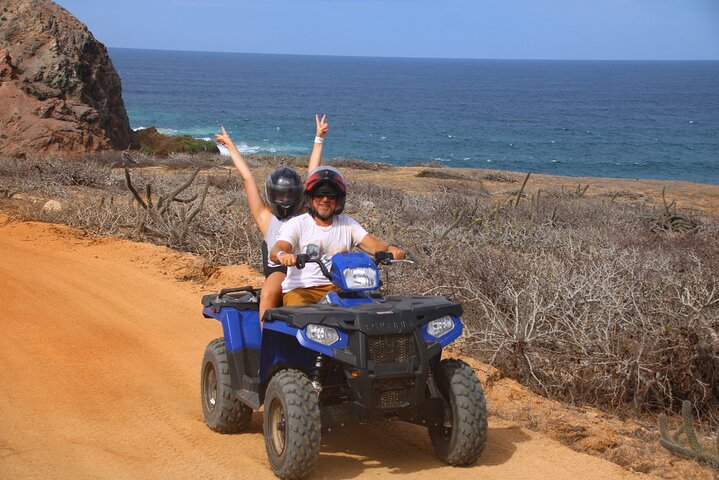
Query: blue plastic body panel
(448, 337)
(343, 261)
(241, 328)
(302, 339)
(285, 345)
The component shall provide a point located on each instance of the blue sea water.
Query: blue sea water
(630, 119)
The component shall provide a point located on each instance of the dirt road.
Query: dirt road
(100, 349)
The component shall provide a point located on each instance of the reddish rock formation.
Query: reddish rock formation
(59, 92)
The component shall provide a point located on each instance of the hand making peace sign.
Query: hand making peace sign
(322, 125)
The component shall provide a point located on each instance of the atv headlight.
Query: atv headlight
(440, 326)
(321, 334)
(361, 277)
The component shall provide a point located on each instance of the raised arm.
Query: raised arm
(260, 212)
(316, 155)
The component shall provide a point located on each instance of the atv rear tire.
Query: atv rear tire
(292, 425)
(224, 413)
(461, 443)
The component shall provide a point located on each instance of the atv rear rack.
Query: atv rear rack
(245, 298)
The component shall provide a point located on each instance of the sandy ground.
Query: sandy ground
(99, 378)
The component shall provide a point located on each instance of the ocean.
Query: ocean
(628, 119)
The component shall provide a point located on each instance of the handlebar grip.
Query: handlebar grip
(301, 260)
(383, 257)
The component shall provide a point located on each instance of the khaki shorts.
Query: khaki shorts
(303, 296)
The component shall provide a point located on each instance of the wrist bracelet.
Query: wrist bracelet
(319, 139)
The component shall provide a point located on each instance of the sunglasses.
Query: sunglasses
(330, 196)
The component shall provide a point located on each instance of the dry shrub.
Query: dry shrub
(497, 177)
(439, 173)
(257, 160)
(228, 181)
(355, 164)
(570, 295)
(578, 300)
(576, 297)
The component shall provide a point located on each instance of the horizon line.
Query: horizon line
(424, 57)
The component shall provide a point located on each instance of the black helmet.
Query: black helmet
(322, 178)
(284, 192)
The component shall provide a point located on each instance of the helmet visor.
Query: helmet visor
(285, 195)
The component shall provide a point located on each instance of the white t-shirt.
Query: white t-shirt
(271, 236)
(306, 236)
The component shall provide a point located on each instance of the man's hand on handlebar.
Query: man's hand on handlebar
(396, 252)
(287, 259)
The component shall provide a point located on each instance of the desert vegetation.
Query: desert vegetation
(591, 300)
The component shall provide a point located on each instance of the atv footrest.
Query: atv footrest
(251, 399)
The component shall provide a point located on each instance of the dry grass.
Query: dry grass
(582, 299)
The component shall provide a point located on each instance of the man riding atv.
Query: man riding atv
(320, 233)
(354, 355)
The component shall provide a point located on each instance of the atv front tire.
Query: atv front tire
(224, 413)
(461, 439)
(292, 425)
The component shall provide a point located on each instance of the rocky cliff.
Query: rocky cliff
(59, 92)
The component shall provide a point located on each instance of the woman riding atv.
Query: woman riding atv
(284, 192)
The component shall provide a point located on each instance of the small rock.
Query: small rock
(366, 205)
(52, 206)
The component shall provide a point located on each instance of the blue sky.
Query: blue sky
(510, 29)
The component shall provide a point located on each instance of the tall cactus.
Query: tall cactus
(695, 451)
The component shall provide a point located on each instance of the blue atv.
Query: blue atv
(353, 357)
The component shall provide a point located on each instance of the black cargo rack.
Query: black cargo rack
(241, 298)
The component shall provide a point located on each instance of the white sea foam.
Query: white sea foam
(245, 148)
(223, 150)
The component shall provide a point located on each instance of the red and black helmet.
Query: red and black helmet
(283, 189)
(325, 176)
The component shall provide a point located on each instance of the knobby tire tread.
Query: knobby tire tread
(302, 417)
(466, 444)
(233, 415)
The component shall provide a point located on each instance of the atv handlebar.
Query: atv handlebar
(384, 258)
(302, 259)
(387, 258)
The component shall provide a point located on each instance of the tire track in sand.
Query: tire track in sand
(99, 378)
